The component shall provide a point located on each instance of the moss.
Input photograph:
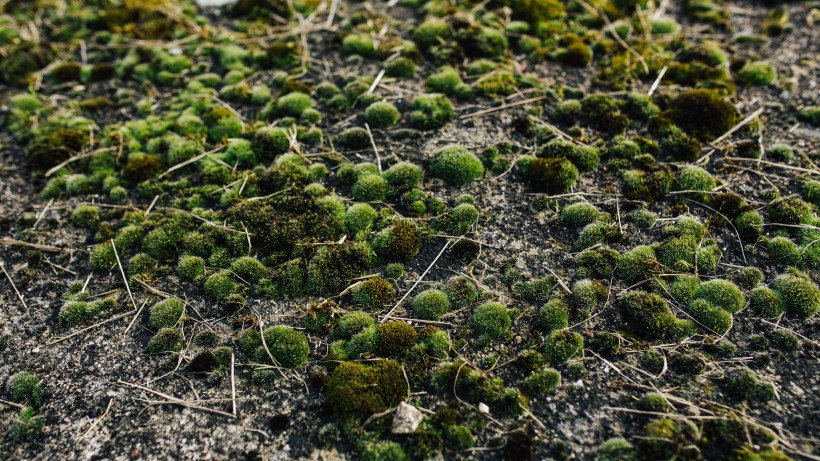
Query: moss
(401, 241)
(73, 312)
(430, 304)
(27, 426)
(703, 114)
(166, 313)
(789, 210)
(431, 111)
(646, 187)
(190, 267)
(448, 81)
(765, 302)
(654, 402)
(289, 347)
(333, 267)
(748, 277)
(384, 451)
(584, 157)
(402, 177)
(710, 316)
(783, 249)
(393, 339)
(366, 389)
(723, 294)
(668, 439)
(652, 360)
(87, 216)
(616, 449)
(394, 271)
(742, 384)
(359, 218)
(579, 214)
(535, 11)
(460, 291)
(374, 292)
(597, 263)
(293, 104)
(542, 383)
(102, 257)
(683, 288)
(798, 295)
(759, 73)
(637, 264)
(24, 387)
(597, 233)
(352, 323)
(748, 225)
(491, 320)
(562, 345)
(457, 221)
(811, 114)
(381, 115)
(780, 152)
(548, 175)
(221, 285)
(355, 138)
(400, 68)
(554, 315)
(456, 166)
(370, 188)
(694, 178)
(645, 315)
(166, 340)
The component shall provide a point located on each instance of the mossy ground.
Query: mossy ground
(292, 209)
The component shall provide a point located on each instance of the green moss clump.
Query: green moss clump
(351, 323)
(289, 347)
(598, 232)
(616, 449)
(799, 296)
(448, 81)
(597, 262)
(293, 104)
(221, 285)
(73, 312)
(579, 214)
(694, 178)
(381, 115)
(190, 267)
(638, 264)
(535, 11)
(430, 304)
(811, 114)
(370, 188)
(431, 111)
(366, 389)
(87, 216)
(790, 210)
(402, 177)
(141, 264)
(654, 402)
(374, 292)
(250, 269)
(457, 221)
(554, 315)
(166, 313)
(652, 360)
(683, 288)
(646, 187)
(562, 345)
(584, 157)
(645, 315)
(703, 114)
(491, 320)
(102, 257)
(333, 267)
(742, 384)
(354, 138)
(393, 339)
(460, 291)
(166, 340)
(384, 451)
(359, 218)
(456, 165)
(28, 426)
(24, 387)
(765, 302)
(707, 314)
(748, 225)
(723, 294)
(668, 439)
(401, 241)
(400, 68)
(783, 249)
(749, 277)
(759, 73)
(541, 383)
(548, 175)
